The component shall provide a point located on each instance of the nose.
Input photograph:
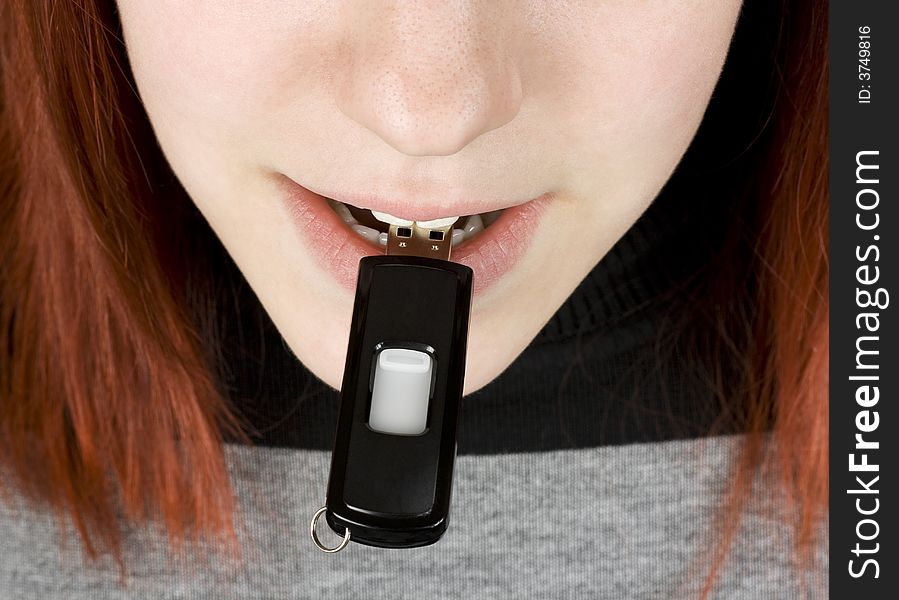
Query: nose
(428, 77)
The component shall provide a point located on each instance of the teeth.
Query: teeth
(491, 217)
(438, 222)
(368, 233)
(390, 219)
(473, 226)
(341, 209)
(432, 224)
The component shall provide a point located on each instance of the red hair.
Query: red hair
(785, 393)
(107, 400)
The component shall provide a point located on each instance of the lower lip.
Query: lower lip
(490, 255)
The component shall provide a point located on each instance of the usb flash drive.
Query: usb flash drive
(392, 465)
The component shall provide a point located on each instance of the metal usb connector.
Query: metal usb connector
(415, 240)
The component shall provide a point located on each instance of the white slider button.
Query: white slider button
(402, 386)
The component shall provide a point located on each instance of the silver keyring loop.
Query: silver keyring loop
(318, 543)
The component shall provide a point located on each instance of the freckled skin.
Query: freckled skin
(496, 99)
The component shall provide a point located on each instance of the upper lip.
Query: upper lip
(425, 207)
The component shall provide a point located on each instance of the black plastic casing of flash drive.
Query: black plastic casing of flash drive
(393, 491)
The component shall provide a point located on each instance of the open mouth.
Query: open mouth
(339, 234)
(366, 226)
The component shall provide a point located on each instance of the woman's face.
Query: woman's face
(573, 112)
